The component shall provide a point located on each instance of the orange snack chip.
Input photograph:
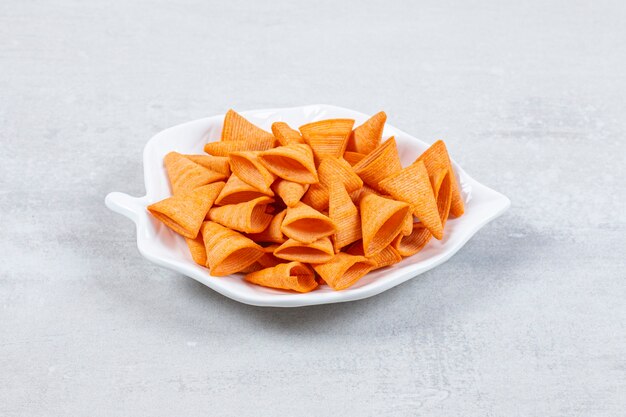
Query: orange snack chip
(248, 167)
(407, 226)
(248, 217)
(344, 214)
(353, 157)
(268, 260)
(379, 164)
(444, 195)
(237, 128)
(331, 168)
(185, 175)
(366, 137)
(316, 196)
(387, 256)
(219, 164)
(292, 162)
(236, 191)
(305, 224)
(285, 134)
(226, 148)
(317, 252)
(228, 251)
(343, 270)
(366, 189)
(412, 185)
(435, 159)
(272, 233)
(290, 192)
(328, 170)
(327, 138)
(413, 243)
(381, 221)
(184, 213)
(197, 250)
(252, 268)
(294, 276)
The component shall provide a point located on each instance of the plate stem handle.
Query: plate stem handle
(125, 204)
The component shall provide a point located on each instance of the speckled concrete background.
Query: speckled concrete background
(528, 319)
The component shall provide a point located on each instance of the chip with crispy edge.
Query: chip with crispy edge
(226, 148)
(185, 175)
(272, 232)
(305, 224)
(248, 217)
(290, 192)
(197, 250)
(353, 157)
(413, 243)
(435, 159)
(285, 135)
(386, 257)
(236, 191)
(366, 137)
(238, 128)
(443, 195)
(327, 138)
(331, 168)
(381, 221)
(184, 212)
(316, 196)
(268, 260)
(328, 170)
(294, 276)
(227, 250)
(379, 164)
(292, 162)
(366, 189)
(407, 226)
(412, 185)
(317, 252)
(218, 164)
(248, 167)
(214, 164)
(345, 215)
(343, 270)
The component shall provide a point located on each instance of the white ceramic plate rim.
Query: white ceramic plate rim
(484, 205)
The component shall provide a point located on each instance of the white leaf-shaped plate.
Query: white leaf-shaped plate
(163, 247)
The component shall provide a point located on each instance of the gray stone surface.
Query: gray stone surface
(528, 319)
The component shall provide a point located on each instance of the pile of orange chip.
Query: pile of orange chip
(297, 209)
